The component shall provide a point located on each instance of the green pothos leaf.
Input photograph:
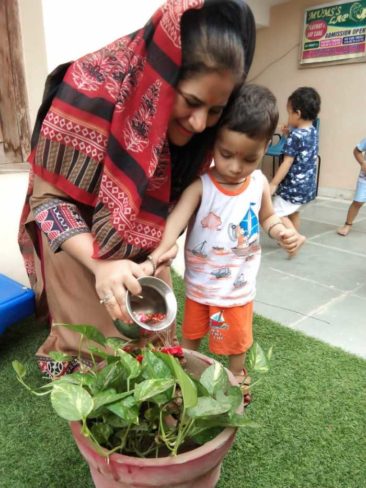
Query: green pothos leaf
(115, 343)
(71, 402)
(109, 396)
(19, 368)
(101, 432)
(206, 407)
(126, 409)
(60, 356)
(131, 365)
(187, 386)
(88, 331)
(257, 360)
(214, 378)
(149, 388)
(154, 367)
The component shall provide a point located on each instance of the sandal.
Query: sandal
(244, 383)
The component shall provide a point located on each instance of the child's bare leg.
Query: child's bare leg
(236, 365)
(352, 213)
(192, 344)
(295, 220)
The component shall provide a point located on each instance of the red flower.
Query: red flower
(176, 351)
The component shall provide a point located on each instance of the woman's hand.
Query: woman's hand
(112, 280)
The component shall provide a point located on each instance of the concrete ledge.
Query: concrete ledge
(336, 193)
(14, 168)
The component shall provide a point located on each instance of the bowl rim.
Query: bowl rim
(171, 313)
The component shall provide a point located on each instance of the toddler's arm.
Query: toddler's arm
(360, 158)
(176, 222)
(288, 239)
(281, 173)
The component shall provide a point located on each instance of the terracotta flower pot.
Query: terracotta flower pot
(198, 468)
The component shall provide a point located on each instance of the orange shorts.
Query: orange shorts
(230, 329)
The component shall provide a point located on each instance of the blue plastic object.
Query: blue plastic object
(276, 151)
(16, 302)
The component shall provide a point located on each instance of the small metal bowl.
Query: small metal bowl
(155, 297)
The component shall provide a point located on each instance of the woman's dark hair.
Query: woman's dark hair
(307, 100)
(218, 36)
(253, 111)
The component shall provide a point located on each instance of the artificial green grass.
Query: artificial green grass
(310, 407)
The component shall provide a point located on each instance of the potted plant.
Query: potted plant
(149, 417)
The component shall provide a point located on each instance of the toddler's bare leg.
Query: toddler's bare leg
(236, 364)
(295, 220)
(192, 344)
(352, 213)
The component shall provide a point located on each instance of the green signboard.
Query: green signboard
(334, 32)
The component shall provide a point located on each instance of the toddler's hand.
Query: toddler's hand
(291, 241)
(167, 258)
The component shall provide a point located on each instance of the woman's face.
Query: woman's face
(198, 104)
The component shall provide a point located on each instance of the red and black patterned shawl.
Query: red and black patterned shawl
(103, 140)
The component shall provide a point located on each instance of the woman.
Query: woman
(129, 127)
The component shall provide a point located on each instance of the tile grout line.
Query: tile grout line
(324, 306)
(334, 248)
(311, 219)
(325, 233)
(310, 241)
(304, 315)
(308, 280)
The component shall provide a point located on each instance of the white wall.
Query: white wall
(56, 31)
(34, 52)
(341, 87)
(76, 27)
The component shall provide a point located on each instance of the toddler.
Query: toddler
(224, 208)
(360, 193)
(294, 183)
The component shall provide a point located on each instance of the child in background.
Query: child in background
(360, 194)
(222, 251)
(294, 183)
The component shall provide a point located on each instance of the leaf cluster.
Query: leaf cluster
(144, 403)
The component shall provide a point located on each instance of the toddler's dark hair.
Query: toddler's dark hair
(307, 100)
(252, 110)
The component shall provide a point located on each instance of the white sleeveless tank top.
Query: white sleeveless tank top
(222, 250)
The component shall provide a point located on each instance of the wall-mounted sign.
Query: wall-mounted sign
(334, 32)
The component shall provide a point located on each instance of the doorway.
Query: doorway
(14, 112)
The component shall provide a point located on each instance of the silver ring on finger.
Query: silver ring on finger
(106, 298)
